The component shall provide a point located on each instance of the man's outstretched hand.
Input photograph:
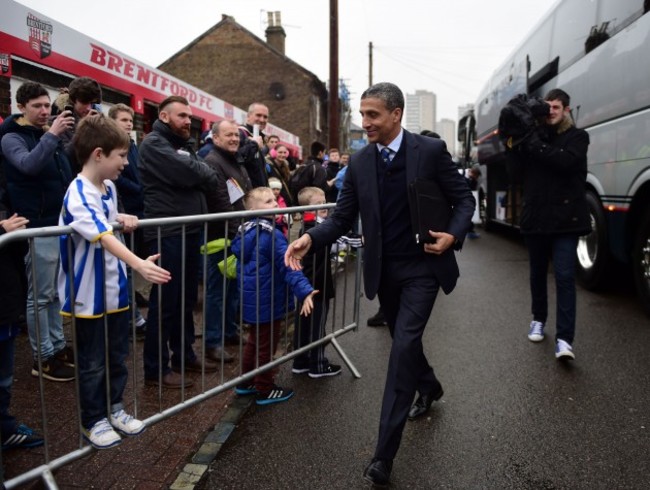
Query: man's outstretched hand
(296, 251)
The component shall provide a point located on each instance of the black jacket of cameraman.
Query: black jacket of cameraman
(553, 164)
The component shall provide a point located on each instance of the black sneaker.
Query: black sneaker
(23, 436)
(274, 395)
(330, 370)
(298, 369)
(66, 356)
(54, 370)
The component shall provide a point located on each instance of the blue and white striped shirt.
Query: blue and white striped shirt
(89, 213)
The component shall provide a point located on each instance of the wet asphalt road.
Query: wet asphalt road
(512, 417)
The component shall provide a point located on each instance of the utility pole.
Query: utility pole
(370, 64)
(334, 112)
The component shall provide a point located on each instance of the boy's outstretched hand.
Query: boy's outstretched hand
(151, 272)
(308, 303)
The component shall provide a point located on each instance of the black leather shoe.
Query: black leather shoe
(377, 320)
(423, 403)
(378, 472)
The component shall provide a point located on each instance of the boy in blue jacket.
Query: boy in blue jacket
(259, 248)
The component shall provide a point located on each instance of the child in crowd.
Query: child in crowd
(100, 295)
(259, 248)
(13, 294)
(281, 220)
(317, 268)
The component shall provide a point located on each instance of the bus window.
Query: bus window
(619, 14)
(573, 22)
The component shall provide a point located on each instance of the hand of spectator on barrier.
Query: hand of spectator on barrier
(296, 251)
(129, 222)
(308, 303)
(14, 223)
(62, 123)
(443, 242)
(151, 272)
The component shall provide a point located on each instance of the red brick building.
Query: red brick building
(234, 64)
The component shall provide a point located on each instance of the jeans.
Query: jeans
(46, 302)
(7, 422)
(562, 249)
(92, 365)
(168, 328)
(214, 304)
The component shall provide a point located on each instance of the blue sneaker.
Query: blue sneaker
(23, 436)
(536, 332)
(274, 395)
(563, 350)
(245, 390)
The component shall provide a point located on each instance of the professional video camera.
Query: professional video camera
(520, 118)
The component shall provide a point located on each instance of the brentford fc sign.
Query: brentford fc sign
(40, 36)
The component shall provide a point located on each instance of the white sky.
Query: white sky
(450, 47)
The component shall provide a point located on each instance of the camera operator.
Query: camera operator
(552, 159)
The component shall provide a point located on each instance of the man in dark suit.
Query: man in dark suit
(406, 275)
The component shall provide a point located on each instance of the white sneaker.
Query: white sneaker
(102, 435)
(127, 424)
(563, 350)
(536, 332)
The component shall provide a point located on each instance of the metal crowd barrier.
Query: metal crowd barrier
(340, 321)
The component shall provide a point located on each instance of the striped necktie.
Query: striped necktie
(385, 155)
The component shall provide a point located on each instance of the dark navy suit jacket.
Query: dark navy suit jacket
(426, 158)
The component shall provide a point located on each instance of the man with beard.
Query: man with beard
(226, 196)
(173, 179)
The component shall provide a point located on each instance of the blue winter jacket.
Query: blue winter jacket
(261, 251)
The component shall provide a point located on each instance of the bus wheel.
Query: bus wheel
(641, 263)
(592, 251)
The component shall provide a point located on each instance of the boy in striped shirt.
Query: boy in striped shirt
(93, 282)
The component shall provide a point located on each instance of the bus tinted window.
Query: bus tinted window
(619, 14)
(573, 22)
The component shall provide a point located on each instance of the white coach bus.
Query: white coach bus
(598, 52)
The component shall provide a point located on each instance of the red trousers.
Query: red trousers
(260, 346)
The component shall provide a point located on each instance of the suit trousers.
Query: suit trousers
(407, 293)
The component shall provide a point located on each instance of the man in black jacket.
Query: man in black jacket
(173, 179)
(226, 196)
(553, 162)
(252, 144)
(405, 274)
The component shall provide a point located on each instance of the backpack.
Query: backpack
(302, 177)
